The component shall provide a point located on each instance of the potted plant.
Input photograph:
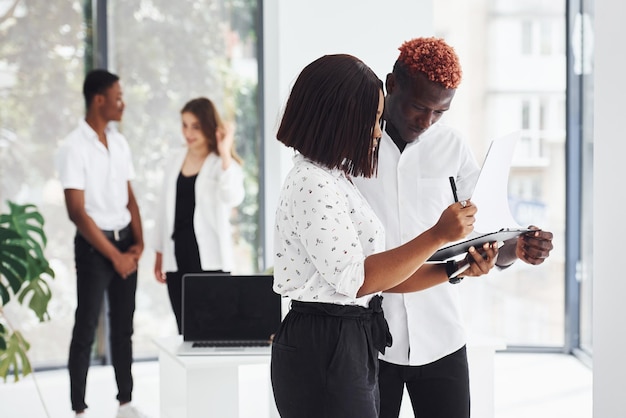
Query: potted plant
(24, 271)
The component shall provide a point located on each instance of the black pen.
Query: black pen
(453, 185)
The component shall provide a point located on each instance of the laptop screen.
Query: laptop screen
(220, 307)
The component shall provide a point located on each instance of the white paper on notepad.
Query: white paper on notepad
(491, 190)
(494, 219)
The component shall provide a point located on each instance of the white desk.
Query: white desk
(213, 386)
(481, 359)
(239, 386)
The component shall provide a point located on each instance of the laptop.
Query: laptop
(225, 314)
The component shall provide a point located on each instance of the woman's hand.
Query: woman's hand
(456, 222)
(480, 260)
(225, 139)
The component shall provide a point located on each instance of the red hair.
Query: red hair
(432, 57)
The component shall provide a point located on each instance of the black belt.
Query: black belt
(118, 234)
(380, 330)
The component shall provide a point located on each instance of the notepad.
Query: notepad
(494, 221)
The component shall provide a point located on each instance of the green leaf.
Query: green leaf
(40, 296)
(28, 223)
(5, 296)
(23, 273)
(13, 261)
(13, 265)
(14, 358)
(6, 233)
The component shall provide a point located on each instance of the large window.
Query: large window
(41, 73)
(514, 81)
(166, 53)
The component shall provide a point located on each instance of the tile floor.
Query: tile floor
(527, 385)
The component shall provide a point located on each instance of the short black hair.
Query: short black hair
(331, 112)
(97, 82)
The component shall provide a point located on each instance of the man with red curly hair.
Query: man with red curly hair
(417, 155)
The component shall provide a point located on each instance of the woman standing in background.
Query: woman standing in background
(202, 183)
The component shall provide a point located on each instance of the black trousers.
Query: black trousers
(96, 277)
(188, 261)
(437, 390)
(325, 362)
(175, 292)
(174, 281)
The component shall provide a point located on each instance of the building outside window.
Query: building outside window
(516, 89)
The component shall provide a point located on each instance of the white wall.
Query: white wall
(609, 327)
(297, 32)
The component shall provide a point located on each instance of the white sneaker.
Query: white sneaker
(129, 411)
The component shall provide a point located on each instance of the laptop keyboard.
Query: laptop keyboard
(237, 343)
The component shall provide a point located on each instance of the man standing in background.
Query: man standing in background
(95, 169)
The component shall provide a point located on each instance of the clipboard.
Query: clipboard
(491, 196)
(462, 247)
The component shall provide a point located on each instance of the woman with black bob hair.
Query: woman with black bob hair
(329, 120)
(329, 246)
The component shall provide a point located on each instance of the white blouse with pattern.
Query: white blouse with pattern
(324, 231)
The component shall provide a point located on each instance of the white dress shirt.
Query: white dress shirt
(324, 231)
(217, 192)
(84, 163)
(409, 194)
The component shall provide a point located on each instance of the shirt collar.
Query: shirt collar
(89, 132)
(335, 172)
(423, 137)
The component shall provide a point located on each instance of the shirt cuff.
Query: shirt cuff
(351, 279)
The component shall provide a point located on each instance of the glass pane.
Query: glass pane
(166, 53)
(41, 75)
(514, 80)
(586, 242)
